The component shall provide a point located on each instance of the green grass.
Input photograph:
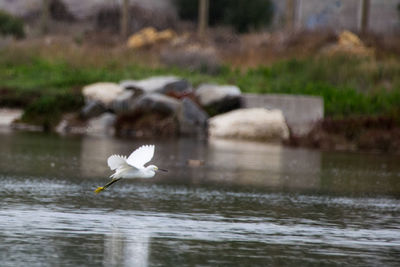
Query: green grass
(40, 75)
(349, 86)
(48, 109)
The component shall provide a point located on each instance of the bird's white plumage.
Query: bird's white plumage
(133, 166)
(116, 161)
(141, 156)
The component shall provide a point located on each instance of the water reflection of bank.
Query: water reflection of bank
(225, 162)
(261, 164)
(29, 156)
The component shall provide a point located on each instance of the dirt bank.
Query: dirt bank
(377, 133)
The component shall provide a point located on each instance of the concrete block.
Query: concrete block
(301, 112)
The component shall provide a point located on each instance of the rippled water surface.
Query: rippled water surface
(245, 204)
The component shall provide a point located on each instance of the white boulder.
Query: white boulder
(8, 116)
(103, 92)
(217, 99)
(250, 124)
(209, 93)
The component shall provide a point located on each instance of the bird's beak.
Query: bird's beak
(163, 170)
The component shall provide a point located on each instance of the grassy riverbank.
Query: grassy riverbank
(349, 85)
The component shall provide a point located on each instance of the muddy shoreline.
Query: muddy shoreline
(356, 133)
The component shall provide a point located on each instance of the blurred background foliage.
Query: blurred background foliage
(349, 85)
(242, 15)
(45, 72)
(11, 25)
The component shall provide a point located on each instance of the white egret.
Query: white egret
(131, 167)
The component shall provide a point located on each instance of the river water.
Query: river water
(234, 204)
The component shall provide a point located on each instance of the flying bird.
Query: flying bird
(131, 167)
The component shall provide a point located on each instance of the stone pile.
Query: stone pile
(170, 106)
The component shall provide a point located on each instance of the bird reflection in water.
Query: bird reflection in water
(126, 249)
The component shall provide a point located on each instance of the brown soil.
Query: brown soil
(12, 98)
(381, 134)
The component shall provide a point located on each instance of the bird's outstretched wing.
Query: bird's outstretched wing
(116, 161)
(141, 156)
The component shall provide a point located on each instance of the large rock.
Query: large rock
(159, 115)
(125, 101)
(92, 109)
(177, 88)
(252, 124)
(150, 85)
(104, 93)
(192, 119)
(151, 115)
(156, 103)
(8, 116)
(218, 98)
(146, 125)
(301, 112)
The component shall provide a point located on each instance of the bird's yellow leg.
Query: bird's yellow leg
(101, 188)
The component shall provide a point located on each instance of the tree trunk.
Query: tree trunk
(124, 18)
(289, 14)
(364, 19)
(203, 17)
(44, 23)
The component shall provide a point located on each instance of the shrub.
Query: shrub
(398, 9)
(48, 109)
(242, 15)
(10, 25)
(246, 15)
